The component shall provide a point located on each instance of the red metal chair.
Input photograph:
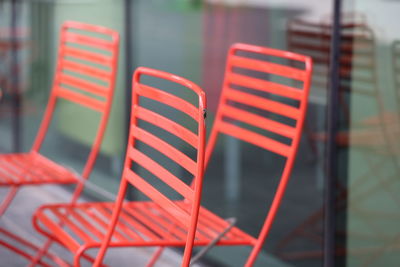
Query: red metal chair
(267, 97)
(162, 220)
(85, 75)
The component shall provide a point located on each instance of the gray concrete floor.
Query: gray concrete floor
(18, 220)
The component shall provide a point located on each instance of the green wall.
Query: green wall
(108, 13)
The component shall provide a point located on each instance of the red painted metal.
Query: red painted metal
(226, 111)
(161, 221)
(86, 66)
(211, 225)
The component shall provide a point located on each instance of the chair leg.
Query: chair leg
(77, 257)
(49, 242)
(111, 227)
(9, 197)
(43, 250)
(155, 257)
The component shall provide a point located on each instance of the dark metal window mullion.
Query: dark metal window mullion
(332, 151)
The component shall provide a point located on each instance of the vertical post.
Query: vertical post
(14, 76)
(128, 73)
(332, 155)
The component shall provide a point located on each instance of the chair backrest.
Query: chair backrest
(357, 52)
(141, 137)
(257, 91)
(85, 74)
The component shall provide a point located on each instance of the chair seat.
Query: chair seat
(32, 168)
(140, 223)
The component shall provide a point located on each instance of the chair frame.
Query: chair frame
(258, 140)
(191, 192)
(254, 138)
(59, 91)
(251, 137)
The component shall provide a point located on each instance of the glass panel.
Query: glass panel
(26, 76)
(369, 198)
(192, 38)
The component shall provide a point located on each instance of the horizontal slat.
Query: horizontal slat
(265, 86)
(146, 216)
(85, 70)
(309, 34)
(157, 197)
(139, 222)
(262, 103)
(168, 99)
(345, 62)
(8, 173)
(98, 214)
(349, 37)
(259, 121)
(167, 124)
(162, 173)
(314, 46)
(86, 55)
(86, 224)
(82, 84)
(24, 170)
(122, 227)
(80, 99)
(254, 138)
(56, 230)
(268, 67)
(77, 38)
(71, 225)
(165, 148)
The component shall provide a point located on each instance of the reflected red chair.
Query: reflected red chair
(164, 129)
(85, 75)
(271, 98)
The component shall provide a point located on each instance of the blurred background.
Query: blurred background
(191, 38)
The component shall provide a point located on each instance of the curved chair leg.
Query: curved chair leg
(113, 222)
(7, 200)
(155, 257)
(43, 250)
(78, 256)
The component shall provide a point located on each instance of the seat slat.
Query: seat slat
(262, 103)
(144, 216)
(265, 86)
(156, 196)
(89, 211)
(165, 148)
(167, 99)
(67, 222)
(25, 172)
(56, 230)
(83, 221)
(166, 124)
(254, 138)
(7, 173)
(138, 222)
(107, 210)
(123, 231)
(162, 173)
(259, 121)
(168, 221)
(267, 67)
